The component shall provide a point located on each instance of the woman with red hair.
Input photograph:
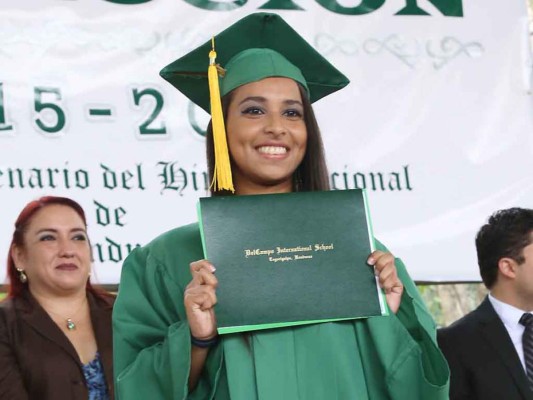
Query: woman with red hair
(55, 327)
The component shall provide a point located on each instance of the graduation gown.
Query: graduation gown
(393, 357)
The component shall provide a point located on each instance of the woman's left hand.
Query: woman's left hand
(388, 278)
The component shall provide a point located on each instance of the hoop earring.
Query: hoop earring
(22, 276)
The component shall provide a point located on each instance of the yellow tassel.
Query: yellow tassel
(222, 172)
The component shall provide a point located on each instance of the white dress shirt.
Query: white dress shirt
(510, 317)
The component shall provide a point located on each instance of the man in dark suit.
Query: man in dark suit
(485, 349)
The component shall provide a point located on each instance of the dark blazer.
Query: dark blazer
(483, 362)
(37, 361)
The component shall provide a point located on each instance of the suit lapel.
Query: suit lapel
(494, 331)
(35, 316)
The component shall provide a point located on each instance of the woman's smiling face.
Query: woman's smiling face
(267, 135)
(56, 255)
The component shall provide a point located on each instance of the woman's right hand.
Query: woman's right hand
(200, 298)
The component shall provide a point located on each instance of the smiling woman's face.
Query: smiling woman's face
(56, 255)
(267, 136)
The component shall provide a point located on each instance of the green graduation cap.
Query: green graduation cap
(258, 46)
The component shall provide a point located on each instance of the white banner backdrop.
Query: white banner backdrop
(437, 123)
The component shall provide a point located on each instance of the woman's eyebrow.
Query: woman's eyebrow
(46, 230)
(53, 230)
(260, 99)
(291, 102)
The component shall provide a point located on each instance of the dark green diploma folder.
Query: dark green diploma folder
(290, 259)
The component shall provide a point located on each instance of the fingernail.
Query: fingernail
(370, 261)
(213, 269)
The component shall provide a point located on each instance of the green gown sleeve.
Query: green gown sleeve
(422, 355)
(151, 335)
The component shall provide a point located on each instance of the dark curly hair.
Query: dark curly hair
(505, 234)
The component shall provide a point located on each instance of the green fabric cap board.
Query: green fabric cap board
(257, 46)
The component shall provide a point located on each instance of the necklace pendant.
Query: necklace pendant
(70, 324)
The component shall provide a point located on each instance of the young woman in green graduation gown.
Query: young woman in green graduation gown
(165, 340)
